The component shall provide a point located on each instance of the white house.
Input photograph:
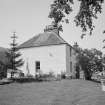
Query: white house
(47, 52)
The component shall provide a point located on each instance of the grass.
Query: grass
(65, 92)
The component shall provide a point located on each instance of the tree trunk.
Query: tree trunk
(77, 72)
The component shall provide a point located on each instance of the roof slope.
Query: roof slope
(44, 39)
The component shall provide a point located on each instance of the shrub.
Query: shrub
(26, 79)
(47, 77)
(63, 75)
(58, 77)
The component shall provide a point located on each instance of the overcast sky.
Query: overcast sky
(29, 18)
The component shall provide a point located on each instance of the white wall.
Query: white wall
(73, 60)
(70, 58)
(52, 58)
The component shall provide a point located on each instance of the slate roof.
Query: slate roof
(43, 39)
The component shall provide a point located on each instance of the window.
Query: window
(70, 66)
(70, 51)
(37, 66)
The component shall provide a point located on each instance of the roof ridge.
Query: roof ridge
(58, 36)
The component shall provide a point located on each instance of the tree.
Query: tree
(3, 62)
(14, 56)
(87, 12)
(3, 70)
(90, 61)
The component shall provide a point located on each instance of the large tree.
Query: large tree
(90, 61)
(87, 12)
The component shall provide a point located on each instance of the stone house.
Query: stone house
(48, 52)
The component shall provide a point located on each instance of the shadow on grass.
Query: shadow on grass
(29, 80)
(97, 81)
(26, 80)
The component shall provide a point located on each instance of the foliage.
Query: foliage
(63, 75)
(14, 56)
(59, 9)
(47, 76)
(3, 70)
(87, 12)
(3, 62)
(90, 61)
(25, 80)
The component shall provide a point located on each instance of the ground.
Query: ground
(64, 92)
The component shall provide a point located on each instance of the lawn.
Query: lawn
(65, 92)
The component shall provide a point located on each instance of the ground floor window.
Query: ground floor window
(37, 63)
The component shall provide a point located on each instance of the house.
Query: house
(48, 52)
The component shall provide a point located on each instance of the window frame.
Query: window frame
(37, 66)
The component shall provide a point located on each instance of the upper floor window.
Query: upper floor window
(70, 51)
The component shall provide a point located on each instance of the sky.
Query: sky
(30, 17)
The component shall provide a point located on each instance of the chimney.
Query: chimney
(51, 28)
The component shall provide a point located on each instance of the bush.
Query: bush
(25, 79)
(5, 81)
(63, 75)
(47, 77)
(58, 77)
